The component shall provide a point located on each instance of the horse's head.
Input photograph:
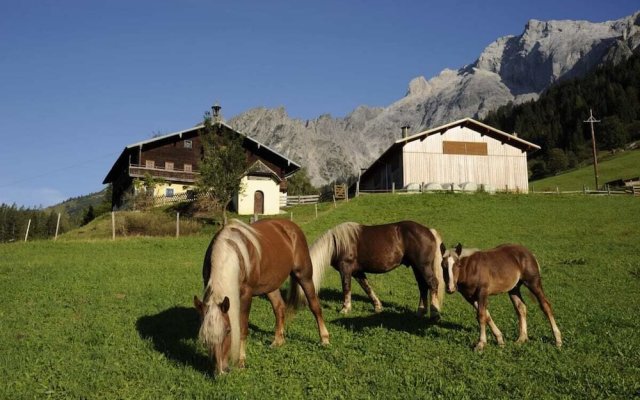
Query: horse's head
(215, 331)
(451, 266)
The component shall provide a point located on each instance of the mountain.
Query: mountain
(511, 69)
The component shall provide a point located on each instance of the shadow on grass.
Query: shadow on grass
(336, 296)
(171, 332)
(393, 317)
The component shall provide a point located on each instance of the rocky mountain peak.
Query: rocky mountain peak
(512, 68)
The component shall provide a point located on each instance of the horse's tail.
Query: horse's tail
(437, 270)
(321, 252)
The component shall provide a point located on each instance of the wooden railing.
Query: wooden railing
(139, 171)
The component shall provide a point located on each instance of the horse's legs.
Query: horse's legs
(245, 307)
(278, 310)
(364, 283)
(521, 310)
(431, 283)
(494, 328)
(424, 293)
(483, 318)
(306, 283)
(345, 276)
(536, 288)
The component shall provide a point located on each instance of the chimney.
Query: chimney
(405, 131)
(216, 117)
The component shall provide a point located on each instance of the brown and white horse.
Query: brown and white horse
(243, 261)
(480, 274)
(355, 249)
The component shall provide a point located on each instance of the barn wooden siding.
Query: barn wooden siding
(504, 167)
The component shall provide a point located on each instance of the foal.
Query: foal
(480, 274)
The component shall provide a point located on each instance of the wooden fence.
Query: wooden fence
(306, 199)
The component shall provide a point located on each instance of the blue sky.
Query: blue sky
(79, 80)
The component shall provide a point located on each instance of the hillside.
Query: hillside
(622, 165)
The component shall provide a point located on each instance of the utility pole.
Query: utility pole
(591, 120)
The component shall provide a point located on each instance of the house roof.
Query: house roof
(179, 134)
(484, 129)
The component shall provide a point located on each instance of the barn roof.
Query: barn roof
(504, 137)
(292, 165)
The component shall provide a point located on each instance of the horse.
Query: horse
(243, 261)
(354, 250)
(479, 274)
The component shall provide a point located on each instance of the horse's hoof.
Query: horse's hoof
(522, 340)
(559, 345)
(241, 364)
(325, 342)
(377, 309)
(345, 310)
(434, 318)
(479, 347)
(277, 343)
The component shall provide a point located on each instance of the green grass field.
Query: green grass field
(620, 166)
(114, 319)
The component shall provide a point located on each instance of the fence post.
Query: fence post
(26, 235)
(393, 187)
(557, 190)
(57, 228)
(358, 188)
(334, 201)
(608, 190)
(291, 217)
(113, 225)
(584, 189)
(178, 224)
(316, 210)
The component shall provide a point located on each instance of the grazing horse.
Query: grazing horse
(480, 274)
(244, 261)
(355, 249)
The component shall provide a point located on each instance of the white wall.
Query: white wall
(504, 167)
(271, 189)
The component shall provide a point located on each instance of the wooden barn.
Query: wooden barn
(173, 160)
(464, 152)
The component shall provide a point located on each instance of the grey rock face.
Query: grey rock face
(513, 68)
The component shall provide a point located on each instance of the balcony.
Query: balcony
(172, 175)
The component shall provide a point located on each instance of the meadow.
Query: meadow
(114, 319)
(623, 165)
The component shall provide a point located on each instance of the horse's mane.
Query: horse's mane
(336, 240)
(230, 263)
(437, 270)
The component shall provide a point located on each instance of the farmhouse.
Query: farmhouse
(173, 160)
(464, 153)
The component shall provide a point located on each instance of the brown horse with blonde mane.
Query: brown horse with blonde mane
(480, 274)
(355, 250)
(244, 261)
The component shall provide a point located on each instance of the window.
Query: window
(168, 192)
(150, 163)
(187, 168)
(168, 165)
(465, 148)
(188, 144)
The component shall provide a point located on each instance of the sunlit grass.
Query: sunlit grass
(113, 319)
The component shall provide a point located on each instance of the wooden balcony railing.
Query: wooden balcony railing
(174, 175)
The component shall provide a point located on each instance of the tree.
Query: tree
(556, 160)
(612, 134)
(300, 184)
(223, 163)
(89, 216)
